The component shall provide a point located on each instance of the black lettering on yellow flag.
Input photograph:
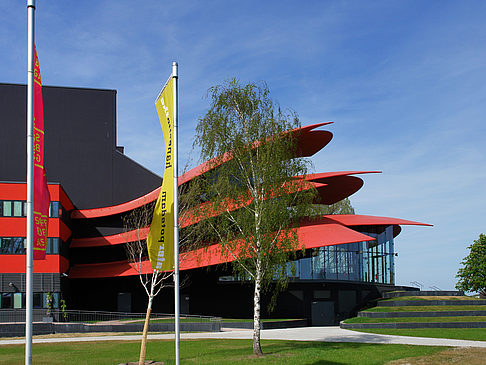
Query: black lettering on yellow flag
(160, 239)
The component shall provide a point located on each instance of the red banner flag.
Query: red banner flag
(42, 198)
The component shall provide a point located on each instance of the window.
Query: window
(17, 209)
(55, 300)
(12, 245)
(17, 300)
(37, 300)
(6, 300)
(54, 210)
(5, 245)
(52, 246)
(7, 208)
(17, 245)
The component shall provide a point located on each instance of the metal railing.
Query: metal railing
(416, 283)
(81, 316)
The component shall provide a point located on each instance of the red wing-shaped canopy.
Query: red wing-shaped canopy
(327, 231)
(337, 185)
(115, 239)
(309, 142)
(116, 209)
(317, 233)
(371, 220)
(331, 187)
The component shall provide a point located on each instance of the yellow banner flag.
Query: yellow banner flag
(160, 239)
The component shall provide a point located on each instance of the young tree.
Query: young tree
(252, 200)
(472, 276)
(136, 223)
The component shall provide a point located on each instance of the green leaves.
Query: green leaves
(252, 199)
(244, 136)
(472, 276)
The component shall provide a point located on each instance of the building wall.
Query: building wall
(321, 302)
(80, 145)
(81, 154)
(48, 273)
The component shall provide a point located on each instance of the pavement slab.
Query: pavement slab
(322, 334)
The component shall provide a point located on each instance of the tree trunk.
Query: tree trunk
(141, 361)
(257, 349)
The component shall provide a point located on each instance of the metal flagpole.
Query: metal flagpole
(176, 221)
(30, 183)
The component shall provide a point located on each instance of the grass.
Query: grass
(473, 334)
(216, 352)
(430, 298)
(398, 299)
(464, 355)
(429, 308)
(415, 319)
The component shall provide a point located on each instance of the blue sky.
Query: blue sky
(404, 82)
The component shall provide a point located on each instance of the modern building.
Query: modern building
(349, 259)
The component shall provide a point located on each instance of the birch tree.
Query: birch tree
(250, 185)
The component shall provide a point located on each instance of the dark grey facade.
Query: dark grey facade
(81, 154)
(80, 145)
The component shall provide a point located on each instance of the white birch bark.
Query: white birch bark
(257, 349)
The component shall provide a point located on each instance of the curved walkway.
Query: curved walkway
(323, 334)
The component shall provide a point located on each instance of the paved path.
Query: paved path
(324, 334)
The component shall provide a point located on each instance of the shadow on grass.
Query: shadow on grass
(274, 351)
(283, 348)
(283, 352)
(216, 351)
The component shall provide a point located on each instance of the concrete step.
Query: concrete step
(405, 303)
(412, 325)
(423, 293)
(421, 314)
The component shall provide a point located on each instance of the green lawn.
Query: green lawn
(473, 334)
(215, 352)
(430, 298)
(403, 298)
(415, 319)
(429, 308)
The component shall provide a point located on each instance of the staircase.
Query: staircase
(455, 311)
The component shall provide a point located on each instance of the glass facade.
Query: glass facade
(367, 261)
(17, 300)
(18, 245)
(18, 208)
